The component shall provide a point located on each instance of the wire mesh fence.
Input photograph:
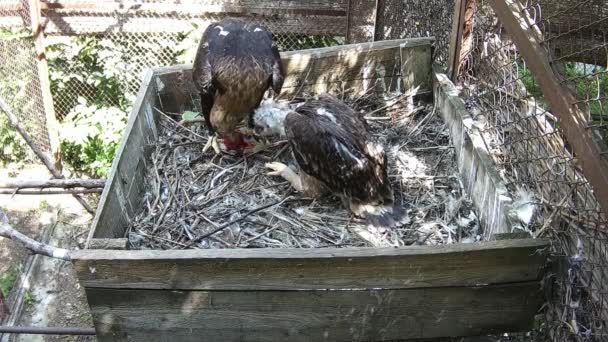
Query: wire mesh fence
(19, 82)
(135, 37)
(534, 156)
(410, 19)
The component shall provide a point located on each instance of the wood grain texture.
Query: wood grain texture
(123, 191)
(113, 244)
(328, 268)
(355, 66)
(52, 126)
(416, 69)
(477, 171)
(355, 315)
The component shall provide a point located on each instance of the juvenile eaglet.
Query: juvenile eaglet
(235, 64)
(334, 151)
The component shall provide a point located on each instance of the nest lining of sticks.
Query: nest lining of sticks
(196, 200)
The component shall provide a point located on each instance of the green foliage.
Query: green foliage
(28, 298)
(592, 87)
(44, 205)
(528, 80)
(7, 281)
(188, 44)
(13, 33)
(90, 136)
(301, 42)
(13, 89)
(590, 83)
(188, 115)
(12, 146)
(89, 75)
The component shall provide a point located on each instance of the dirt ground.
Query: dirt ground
(53, 296)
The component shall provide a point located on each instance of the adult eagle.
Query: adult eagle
(332, 147)
(235, 64)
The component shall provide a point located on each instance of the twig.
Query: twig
(14, 122)
(242, 217)
(397, 99)
(549, 220)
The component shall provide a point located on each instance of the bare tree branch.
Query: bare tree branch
(7, 231)
(53, 183)
(49, 191)
(14, 122)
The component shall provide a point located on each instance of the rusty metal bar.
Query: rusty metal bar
(562, 101)
(47, 330)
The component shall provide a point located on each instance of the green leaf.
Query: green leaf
(188, 115)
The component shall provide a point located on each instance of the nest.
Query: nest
(196, 200)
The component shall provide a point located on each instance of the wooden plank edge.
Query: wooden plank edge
(332, 50)
(306, 253)
(498, 220)
(111, 244)
(360, 47)
(147, 81)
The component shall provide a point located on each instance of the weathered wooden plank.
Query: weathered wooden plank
(52, 125)
(461, 36)
(293, 268)
(353, 315)
(112, 216)
(113, 244)
(416, 69)
(478, 173)
(356, 66)
(562, 101)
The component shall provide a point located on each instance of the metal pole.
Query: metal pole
(47, 330)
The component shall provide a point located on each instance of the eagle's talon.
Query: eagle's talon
(213, 143)
(278, 169)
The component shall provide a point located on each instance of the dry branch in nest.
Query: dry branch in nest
(226, 201)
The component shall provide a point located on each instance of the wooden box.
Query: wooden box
(345, 294)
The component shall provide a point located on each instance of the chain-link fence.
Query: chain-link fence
(131, 38)
(20, 82)
(410, 19)
(535, 157)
